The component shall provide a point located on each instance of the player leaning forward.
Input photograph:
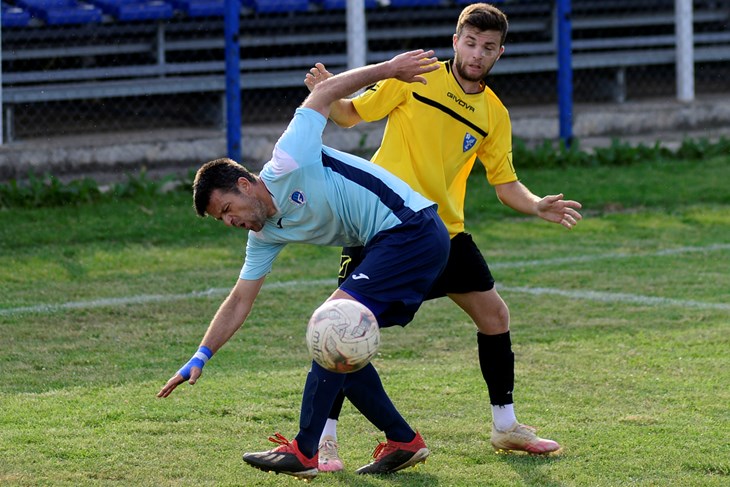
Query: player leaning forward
(309, 193)
(435, 132)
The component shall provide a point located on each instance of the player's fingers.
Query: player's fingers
(554, 197)
(571, 219)
(195, 373)
(430, 64)
(567, 222)
(170, 386)
(574, 214)
(414, 53)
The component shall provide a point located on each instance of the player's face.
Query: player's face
(240, 209)
(475, 52)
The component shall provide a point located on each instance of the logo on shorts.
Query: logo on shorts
(298, 198)
(469, 141)
(359, 276)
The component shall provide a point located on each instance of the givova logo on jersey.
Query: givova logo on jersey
(469, 141)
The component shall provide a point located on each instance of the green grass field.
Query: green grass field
(621, 330)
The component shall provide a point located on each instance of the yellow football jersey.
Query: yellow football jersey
(435, 132)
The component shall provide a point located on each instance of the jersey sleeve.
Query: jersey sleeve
(495, 152)
(301, 142)
(260, 257)
(380, 99)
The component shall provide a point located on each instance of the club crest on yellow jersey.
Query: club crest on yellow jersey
(469, 141)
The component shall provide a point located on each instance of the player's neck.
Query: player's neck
(268, 199)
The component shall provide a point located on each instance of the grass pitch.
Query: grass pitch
(621, 330)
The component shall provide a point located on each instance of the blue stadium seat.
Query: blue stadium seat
(14, 16)
(133, 10)
(341, 4)
(416, 3)
(201, 8)
(62, 12)
(277, 6)
(45, 3)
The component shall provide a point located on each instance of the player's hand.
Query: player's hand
(554, 208)
(178, 379)
(410, 66)
(191, 371)
(316, 75)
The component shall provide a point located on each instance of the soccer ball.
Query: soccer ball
(343, 335)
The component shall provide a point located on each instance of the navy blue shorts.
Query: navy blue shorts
(399, 267)
(466, 270)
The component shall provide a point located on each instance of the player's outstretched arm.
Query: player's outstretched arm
(408, 67)
(231, 314)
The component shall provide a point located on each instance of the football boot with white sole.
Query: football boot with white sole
(285, 458)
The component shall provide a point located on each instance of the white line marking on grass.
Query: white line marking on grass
(151, 298)
(613, 255)
(616, 297)
(98, 303)
(589, 295)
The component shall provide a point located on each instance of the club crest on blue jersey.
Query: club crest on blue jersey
(469, 141)
(298, 198)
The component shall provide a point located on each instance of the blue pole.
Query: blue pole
(233, 79)
(565, 72)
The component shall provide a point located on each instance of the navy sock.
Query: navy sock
(498, 366)
(320, 390)
(365, 391)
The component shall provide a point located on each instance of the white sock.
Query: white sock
(503, 416)
(330, 429)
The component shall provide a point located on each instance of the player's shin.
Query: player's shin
(320, 390)
(497, 363)
(365, 391)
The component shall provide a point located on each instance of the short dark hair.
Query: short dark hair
(220, 174)
(483, 16)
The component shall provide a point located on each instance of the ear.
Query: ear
(243, 185)
(501, 51)
(454, 40)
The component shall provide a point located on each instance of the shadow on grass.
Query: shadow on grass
(529, 468)
(407, 478)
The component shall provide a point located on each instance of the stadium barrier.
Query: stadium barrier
(69, 50)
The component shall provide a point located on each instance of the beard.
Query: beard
(460, 68)
(260, 214)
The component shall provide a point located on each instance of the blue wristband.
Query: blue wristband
(199, 359)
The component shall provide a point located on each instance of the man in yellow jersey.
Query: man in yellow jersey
(433, 135)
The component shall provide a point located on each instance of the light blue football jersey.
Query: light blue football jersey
(324, 196)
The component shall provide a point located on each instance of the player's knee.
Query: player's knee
(503, 316)
(495, 322)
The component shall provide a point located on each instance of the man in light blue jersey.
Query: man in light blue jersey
(309, 193)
